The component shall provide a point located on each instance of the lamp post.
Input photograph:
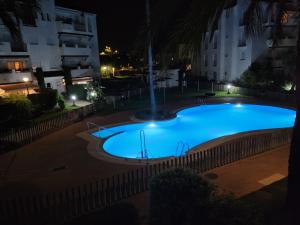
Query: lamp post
(73, 97)
(229, 86)
(26, 79)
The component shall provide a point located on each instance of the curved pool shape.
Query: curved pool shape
(191, 127)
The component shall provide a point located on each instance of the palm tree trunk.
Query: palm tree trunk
(150, 61)
(293, 194)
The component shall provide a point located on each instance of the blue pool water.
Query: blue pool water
(191, 127)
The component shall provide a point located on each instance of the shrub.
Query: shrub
(45, 100)
(40, 77)
(19, 106)
(79, 90)
(61, 102)
(177, 196)
(182, 198)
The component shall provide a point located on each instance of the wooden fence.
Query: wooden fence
(55, 208)
(15, 137)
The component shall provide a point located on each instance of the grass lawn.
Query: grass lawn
(271, 200)
(53, 113)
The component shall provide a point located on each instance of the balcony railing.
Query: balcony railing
(18, 47)
(242, 43)
(79, 27)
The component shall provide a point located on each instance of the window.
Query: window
(43, 16)
(243, 56)
(29, 20)
(16, 65)
(215, 41)
(205, 60)
(206, 43)
(285, 18)
(90, 25)
(227, 13)
(242, 38)
(214, 58)
(225, 76)
(215, 75)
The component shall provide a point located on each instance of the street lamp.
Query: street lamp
(73, 97)
(26, 79)
(229, 86)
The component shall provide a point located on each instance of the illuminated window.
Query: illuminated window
(16, 65)
(285, 18)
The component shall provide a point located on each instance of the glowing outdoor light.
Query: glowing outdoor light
(73, 97)
(93, 94)
(229, 86)
(26, 79)
(239, 105)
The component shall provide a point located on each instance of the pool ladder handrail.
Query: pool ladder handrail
(89, 124)
(144, 153)
(183, 147)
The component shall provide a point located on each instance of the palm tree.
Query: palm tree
(14, 11)
(189, 29)
(150, 60)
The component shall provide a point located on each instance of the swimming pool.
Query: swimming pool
(191, 127)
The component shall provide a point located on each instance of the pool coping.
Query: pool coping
(96, 150)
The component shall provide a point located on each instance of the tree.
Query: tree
(40, 77)
(12, 12)
(189, 29)
(150, 60)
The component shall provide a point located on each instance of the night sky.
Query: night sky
(118, 20)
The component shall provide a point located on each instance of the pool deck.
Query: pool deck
(60, 160)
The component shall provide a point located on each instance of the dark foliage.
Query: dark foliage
(182, 198)
(79, 90)
(44, 100)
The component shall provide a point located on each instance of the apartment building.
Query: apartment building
(229, 53)
(57, 38)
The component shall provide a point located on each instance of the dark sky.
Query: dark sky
(118, 20)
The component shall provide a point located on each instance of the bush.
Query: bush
(45, 100)
(79, 90)
(176, 197)
(18, 106)
(61, 102)
(182, 198)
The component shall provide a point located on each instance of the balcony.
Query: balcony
(73, 28)
(242, 43)
(7, 76)
(18, 47)
(82, 71)
(6, 48)
(75, 50)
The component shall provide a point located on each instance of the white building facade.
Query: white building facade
(228, 53)
(57, 38)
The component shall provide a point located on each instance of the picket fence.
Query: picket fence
(59, 207)
(16, 137)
